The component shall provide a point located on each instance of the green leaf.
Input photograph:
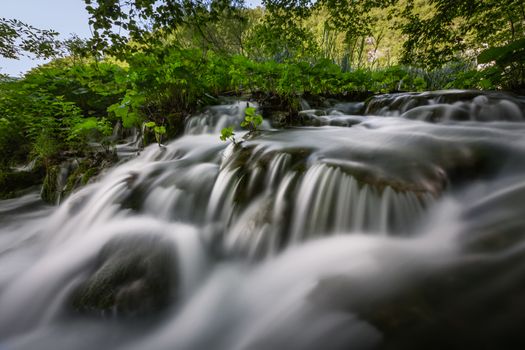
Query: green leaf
(227, 133)
(161, 130)
(249, 111)
(491, 54)
(514, 51)
(485, 84)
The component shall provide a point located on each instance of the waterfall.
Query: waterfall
(398, 228)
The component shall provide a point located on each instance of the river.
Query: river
(395, 225)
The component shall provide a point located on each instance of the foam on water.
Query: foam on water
(329, 237)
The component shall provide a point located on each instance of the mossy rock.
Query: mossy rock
(79, 172)
(13, 182)
(49, 191)
(131, 276)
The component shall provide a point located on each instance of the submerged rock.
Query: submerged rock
(132, 276)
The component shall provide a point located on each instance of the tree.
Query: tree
(18, 38)
(459, 29)
(117, 22)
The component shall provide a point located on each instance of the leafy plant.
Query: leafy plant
(159, 130)
(228, 134)
(83, 130)
(509, 63)
(507, 54)
(128, 110)
(252, 120)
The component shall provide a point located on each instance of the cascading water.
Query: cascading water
(369, 232)
(449, 105)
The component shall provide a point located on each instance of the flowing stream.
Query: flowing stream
(395, 225)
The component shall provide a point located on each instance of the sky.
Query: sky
(64, 16)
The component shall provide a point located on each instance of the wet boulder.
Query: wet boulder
(13, 182)
(131, 276)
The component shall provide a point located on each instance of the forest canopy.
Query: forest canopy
(432, 32)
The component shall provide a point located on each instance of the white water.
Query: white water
(297, 239)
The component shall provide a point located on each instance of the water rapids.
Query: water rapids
(396, 226)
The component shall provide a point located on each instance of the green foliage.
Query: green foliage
(56, 108)
(91, 86)
(228, 134)
(158, 130)
(252, 120)
(509, 64)
(84, 130)
(356, 35)
(507, 54)
(461, 29)
(139, 18)
(128, 110)
(17, 38)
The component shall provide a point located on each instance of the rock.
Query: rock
(12, 182)
(279, 118)
(132, 276)
(72, 173)
(468, 305)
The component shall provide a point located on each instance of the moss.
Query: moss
(49, 191)
(88, 168)
(88, 175)
(13, 182)
(80, 174)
